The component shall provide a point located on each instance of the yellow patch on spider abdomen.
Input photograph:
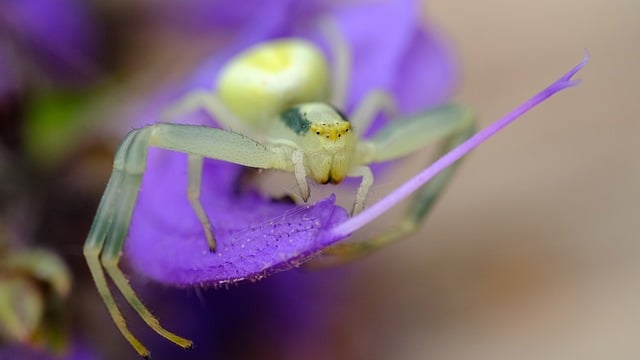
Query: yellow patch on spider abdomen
(260, 83)
(272, 59)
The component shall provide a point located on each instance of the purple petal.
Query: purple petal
(427, 73)
(257, 236)
(397, 54)
(454, 155)
(271, 238)
(199, 16)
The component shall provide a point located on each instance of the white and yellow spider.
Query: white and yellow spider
(283, 104)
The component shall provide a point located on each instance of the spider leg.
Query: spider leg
(341, 62)
(93, 247)
(375, 101)
(193, 194)
(209, 102)
(455, 125)
(111, 224)
(363, 189)
(104, 244)
(300, 173)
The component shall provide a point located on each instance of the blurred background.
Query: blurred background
(531, 254)
(534, 252)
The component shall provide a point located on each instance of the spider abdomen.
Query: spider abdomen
(261, 82)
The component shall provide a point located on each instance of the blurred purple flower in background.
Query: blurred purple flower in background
(45, 46)
(53, 40)
(256, 235)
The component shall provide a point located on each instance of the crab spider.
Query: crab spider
(284, 107)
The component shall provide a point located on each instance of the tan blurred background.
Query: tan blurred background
(533, 253)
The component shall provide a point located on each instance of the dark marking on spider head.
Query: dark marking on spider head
(295, 120)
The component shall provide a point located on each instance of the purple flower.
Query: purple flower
(55, 38)
(257, 236)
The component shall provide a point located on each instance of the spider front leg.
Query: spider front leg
(454, 124)
(376, 101)
(104, 244)
(300, 173)
(367, 180)
(107, 235)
